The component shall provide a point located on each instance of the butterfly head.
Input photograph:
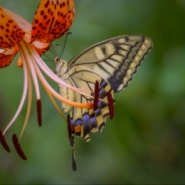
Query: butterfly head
(61, 67)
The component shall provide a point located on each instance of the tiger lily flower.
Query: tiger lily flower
(52, 19)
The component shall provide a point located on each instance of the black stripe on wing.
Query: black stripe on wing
(135, 53)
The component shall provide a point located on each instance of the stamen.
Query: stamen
(28, 110)
(57, 95)
(18, 147)
(110, 104)
(96, 95)
(55, 105)
(28, 60)
(49, 72)
(52, 75)
(3, 142)
(25, 88)
(39, 112)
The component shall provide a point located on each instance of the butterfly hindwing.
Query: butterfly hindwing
(83, 121)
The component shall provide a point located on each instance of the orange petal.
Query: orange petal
(7, 55)
(41, 47)
(5, 60)
(52, 19)
(10, 32)
(20, 21)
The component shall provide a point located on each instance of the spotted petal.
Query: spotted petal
(52, 19)
(10, 35)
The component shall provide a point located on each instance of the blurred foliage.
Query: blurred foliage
(144, 143)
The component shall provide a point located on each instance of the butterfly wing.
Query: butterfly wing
(100, 70)
(115, 59)
(112, 64)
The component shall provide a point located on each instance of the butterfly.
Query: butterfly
(101, 70)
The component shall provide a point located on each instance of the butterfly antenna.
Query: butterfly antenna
(65, 42)
(53, 50)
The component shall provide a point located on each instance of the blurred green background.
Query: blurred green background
(145, 142)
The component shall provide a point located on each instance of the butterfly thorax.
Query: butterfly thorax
(62, 72)
(61, 68)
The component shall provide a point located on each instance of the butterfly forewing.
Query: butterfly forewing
(115, 60)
